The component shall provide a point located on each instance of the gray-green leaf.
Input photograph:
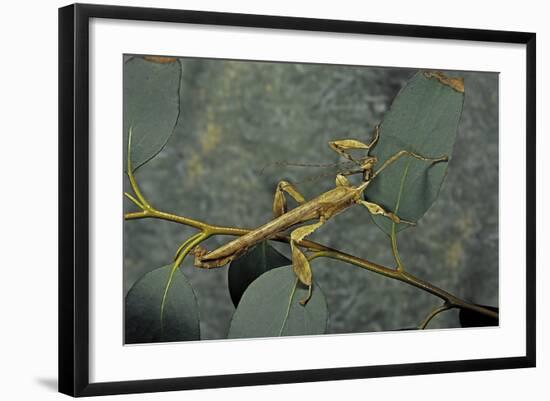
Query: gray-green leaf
(143, 308)
(270, 308)
(247, 268)
(151, 106)
(423, 119)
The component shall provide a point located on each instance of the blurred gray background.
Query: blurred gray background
(239, 118)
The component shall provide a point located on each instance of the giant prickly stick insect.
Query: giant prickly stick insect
(321, 208)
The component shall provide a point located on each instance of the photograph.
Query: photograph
(258, 198)
(269, 199)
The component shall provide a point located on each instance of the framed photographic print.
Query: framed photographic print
(277, 199)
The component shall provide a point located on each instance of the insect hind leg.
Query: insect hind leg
(376, 209)
(300, 263)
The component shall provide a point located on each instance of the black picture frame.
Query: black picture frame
(74, 198)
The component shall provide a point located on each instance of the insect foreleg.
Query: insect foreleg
(279, 200)
(341, 146)
(402, 153)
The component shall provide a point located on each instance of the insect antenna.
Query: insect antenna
(338, 165)
(313, 178)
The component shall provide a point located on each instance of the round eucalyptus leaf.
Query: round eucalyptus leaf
(423, 119)
(270, 307)
(151, 106)
(180, 316)
(253, 264)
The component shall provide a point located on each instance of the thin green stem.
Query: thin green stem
(354, 260)
(198, 238)
(393, 237)
(134, 200)
(185, 243)
(191, 243)
(395, 252)
(130, 172)
(433, 314)
(288, 307)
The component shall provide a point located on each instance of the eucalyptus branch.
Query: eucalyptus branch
(319, 250)
(208, 230)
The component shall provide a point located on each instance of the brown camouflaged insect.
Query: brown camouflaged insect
(321, 208)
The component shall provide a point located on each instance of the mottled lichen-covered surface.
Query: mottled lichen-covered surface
(239, 118)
